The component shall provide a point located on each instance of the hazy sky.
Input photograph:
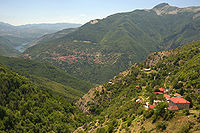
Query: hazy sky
(19, 12)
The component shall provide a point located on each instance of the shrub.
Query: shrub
(101, 130)
(185, 129)
(169, 115)
(160, 109)
(148, 114)
(161, 126)
(140, 111)
(185, 112)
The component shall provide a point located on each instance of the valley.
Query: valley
(23, 36)
(129, 72)
(102, 48)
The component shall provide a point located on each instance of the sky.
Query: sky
(20, 12)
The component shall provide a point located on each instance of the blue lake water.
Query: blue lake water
(21, 47)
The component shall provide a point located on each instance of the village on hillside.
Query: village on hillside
(175, 101)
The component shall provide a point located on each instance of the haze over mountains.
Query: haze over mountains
(116, 74)
(6, 47)
(52, 36)
(33, 30)
(102, 48)
(24, 34)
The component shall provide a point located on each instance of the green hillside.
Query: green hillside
(114, 103)
(102, 48)
(29, 32)
(48, 76)
(49, 37)
(26, 108)
(6, 48)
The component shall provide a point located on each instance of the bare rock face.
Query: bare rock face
(93, 94)
(94, 21)
(161, 5)
(88, 98)
(165, 8)
(155, 57)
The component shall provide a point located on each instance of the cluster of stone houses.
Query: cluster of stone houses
(175, 101)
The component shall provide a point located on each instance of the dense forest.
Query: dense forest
(48, 76)
(26, 108)
(135, 71)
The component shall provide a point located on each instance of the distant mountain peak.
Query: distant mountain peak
(165, 8)
(161, 5)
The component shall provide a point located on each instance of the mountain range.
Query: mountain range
(6, 48)
(136, 71)
(49, 37)
(18, 35)
(102, 48)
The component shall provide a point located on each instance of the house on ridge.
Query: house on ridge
(177, 95)
(166, 96)
(163, 90)
(173, 108)
(181, 103)
(158, 93)
(152, 106)
(147, 69)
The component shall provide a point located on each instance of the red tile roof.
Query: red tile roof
(178, 100)
(158, 92)
(152, 106)
(173, 108)
(176, 94)
(162, 89)
(165, 95)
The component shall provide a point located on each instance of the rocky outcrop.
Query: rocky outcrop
(155, 57)
(165, 8)
(88, 98)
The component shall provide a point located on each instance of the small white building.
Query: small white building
(138, 101)
(146, 105)
(110, 82)
(147, 69)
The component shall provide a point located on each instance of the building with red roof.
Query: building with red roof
(177, 95)
(180, 102)
(158, 92)
(162, 89)
(166, 96)
(152, 106)
(173, 108)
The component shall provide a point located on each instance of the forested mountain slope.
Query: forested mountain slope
(6, 48)
(52, 36)
(120, 104)
(48, 76)
(26, 108)
(18, 35)
(102, 48)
